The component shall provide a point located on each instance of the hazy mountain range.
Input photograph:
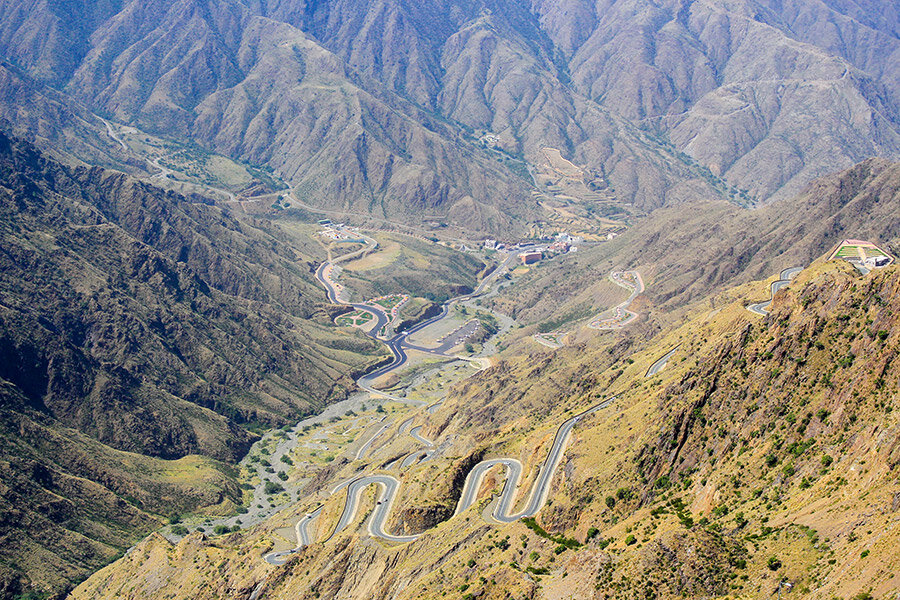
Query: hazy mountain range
(380, 106)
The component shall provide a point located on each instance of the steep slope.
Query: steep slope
(765, 452)
(769, 95)
(49, 38)
(265, 93)
(490, 68)
(400, 109)
(58, 124)
(122, 293)
(136, 324)
(71, 504)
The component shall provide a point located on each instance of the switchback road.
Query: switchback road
(762, 308)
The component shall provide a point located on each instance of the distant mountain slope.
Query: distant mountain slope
(371, 106)
(688, 252)
(382, 106)
(768, 94)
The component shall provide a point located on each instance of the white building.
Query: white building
(878, 261)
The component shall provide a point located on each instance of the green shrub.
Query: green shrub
(271, 487)
(532, 524)
(630, 540)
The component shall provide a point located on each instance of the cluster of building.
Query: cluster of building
(562, 244)
(339, 232)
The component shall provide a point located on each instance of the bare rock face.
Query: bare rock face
(379, 106)
(416, 519)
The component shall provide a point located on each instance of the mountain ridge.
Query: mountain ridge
(765, 97)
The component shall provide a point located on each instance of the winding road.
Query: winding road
(622, 316)
(661, 363)
(503, 511)
(388, 485)
(399, 343)
(762, 308)
(303, 539)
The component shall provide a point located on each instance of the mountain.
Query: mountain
(142, 336)
(155, 342)
(404, 110)
(765, 452)
(684, 254)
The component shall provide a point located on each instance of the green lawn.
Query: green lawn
(848, 252)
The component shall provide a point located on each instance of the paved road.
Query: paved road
(361, 453)
(541, 488)
(541, 338)
(388, 487)
(399, 343)
(412, 458)
(661, 363)
(762, 308)
(112, 133)
(303, 539)
(622, 316)
(387, 484)
(415, 433)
